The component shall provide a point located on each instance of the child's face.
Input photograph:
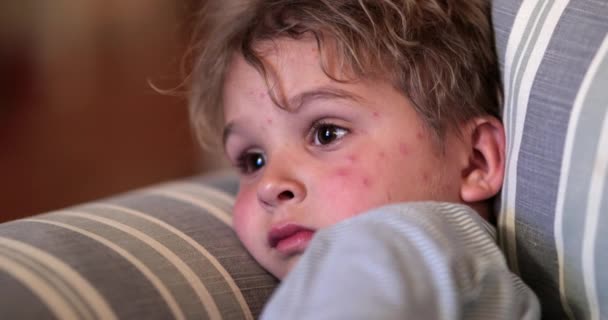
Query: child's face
(339, 149)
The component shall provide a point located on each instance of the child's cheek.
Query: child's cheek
(354, 173)
(243, 218)
(348, 191)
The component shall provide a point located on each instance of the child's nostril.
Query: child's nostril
(286, 195)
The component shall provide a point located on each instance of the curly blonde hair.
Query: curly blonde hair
(439, 53)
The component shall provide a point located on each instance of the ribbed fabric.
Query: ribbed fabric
(164, 252)
(423, 260)
(554, 58)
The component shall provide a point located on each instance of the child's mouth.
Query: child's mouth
(289, 239)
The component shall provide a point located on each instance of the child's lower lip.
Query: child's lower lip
(296, 243)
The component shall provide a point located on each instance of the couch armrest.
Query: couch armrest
(162, 252)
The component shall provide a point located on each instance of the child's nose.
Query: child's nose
(278, 189)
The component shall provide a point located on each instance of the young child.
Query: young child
(333, 108)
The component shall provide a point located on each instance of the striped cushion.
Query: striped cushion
(158, 253)
(554, 58)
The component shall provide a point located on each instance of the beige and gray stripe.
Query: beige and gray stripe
(196, 284)
(198, 247)
(67, 294)
(181, 196)
(152, 278)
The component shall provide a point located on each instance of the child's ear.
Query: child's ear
(483, 173)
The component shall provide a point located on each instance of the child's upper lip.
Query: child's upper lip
(284, 230)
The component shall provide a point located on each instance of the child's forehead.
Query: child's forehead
(291, 88)
(281, 66)
(285, 62)
(328, 52)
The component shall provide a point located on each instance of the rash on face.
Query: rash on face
(342, 172)
(367, 182)
(403, 149)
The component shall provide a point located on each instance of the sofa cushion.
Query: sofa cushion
(554, 204)
(165, 252)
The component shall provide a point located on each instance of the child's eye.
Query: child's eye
(250, 162)
(326, 133)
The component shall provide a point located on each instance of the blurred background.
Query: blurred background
(78, 119)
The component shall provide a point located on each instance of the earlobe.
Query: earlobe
(483, 175)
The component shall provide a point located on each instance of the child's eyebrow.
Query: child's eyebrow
(302, 99)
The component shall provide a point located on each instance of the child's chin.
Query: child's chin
(285, 267)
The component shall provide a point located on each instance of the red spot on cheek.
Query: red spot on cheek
(342, 172)
(381, 155)
(426, 176)
(376, 114)
(389, 198)
(404, 149)
(352, 158)
(269, 121)
(367, 182)
(262, 95)
(420, 135)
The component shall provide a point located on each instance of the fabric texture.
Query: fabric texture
(554, 60)
(424, 260)
(164, 252)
